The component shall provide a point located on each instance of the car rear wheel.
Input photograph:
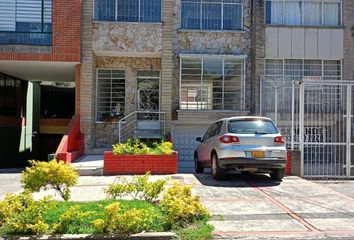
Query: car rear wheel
(198, 168)
(278, 174)
(216, 171)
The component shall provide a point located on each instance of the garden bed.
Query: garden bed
(137, 157)
(140, 163)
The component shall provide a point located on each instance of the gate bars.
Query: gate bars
(317, 119)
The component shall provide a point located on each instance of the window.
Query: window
(128, 10)
(304, 69)
(26, 22)
(212, 14)
(12, 92)
(310, 13)
(110, 97)
(213, 83)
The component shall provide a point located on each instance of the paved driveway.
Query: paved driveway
(255, 207)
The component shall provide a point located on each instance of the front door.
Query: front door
(148, 93)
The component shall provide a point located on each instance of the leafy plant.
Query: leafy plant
(71, 220)
(140, 187)
(56, 175)
(126, 223)
(181, 207)
(21, 214)
(135, 146)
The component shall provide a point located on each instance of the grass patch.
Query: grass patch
(97, 208)
(199, 231)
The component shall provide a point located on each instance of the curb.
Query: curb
(139, 236)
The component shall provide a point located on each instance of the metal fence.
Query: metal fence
(317, 119)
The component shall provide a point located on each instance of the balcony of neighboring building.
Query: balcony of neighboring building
(304, 29)
(125, 29)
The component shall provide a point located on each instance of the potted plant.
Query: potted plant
(137, 157)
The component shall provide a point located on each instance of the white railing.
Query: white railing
(128, 126)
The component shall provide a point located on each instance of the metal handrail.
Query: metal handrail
(135, 114)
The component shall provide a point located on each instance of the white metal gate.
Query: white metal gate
(317, 118)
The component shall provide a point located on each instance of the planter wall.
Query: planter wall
(139, 164)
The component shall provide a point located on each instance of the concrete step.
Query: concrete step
(89, 165)
(148, 134)
(97, 151)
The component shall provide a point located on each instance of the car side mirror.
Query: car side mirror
(198, 139)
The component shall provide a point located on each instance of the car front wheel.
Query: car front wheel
(278, 174)
(216, 170)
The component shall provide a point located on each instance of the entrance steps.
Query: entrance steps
(89, 165)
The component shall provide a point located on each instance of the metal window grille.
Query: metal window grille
(311, 12)
(212, 14)
(127, 10)
(110, 97)
(284, 71)
(212, 83)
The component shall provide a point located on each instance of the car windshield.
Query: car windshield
(249, 126)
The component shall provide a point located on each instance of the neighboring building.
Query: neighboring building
(40, 54)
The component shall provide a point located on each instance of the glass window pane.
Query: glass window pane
(274, 12)
(190, 15)
(331, 12)
(312, 13)
(292, 13)
(127, 11)
(232, 16)
(105, 10)
(274, 67)
(313, 69)
(293, 68)
(211, 16)
(150, 10)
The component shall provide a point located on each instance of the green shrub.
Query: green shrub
(56, 175)
(181, 207)
(139, 188)
(135, 146)
(126, 223)
(21, 214)
(71, 220)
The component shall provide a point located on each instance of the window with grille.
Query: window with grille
(212, 14)
(26, 22)
(110, 97)
(304, 69)
(212, 83)
(127, 10)
(311, 13)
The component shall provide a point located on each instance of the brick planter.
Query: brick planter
(139, 164)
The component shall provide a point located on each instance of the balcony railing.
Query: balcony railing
(26, 38)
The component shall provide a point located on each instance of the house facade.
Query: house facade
(40, 55)
(191, 62)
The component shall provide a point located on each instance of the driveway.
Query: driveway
(250, 206)
(255, 207)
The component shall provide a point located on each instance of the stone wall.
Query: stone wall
(127, 37)
(106, 134)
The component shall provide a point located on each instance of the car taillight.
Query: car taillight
(229, 139)
(279, 139)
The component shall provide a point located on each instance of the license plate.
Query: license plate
(258, 154)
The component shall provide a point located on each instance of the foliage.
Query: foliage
(181, 207)
(21, 214)
(128, 222)
(135, 146)
(201, 230)
(71, 220)
(139, 188)
(56, 175)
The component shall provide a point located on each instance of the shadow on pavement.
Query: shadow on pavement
(11, 170)
(238, 180)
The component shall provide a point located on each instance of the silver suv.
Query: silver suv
(242, 144)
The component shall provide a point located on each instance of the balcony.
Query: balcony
(26, 38)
